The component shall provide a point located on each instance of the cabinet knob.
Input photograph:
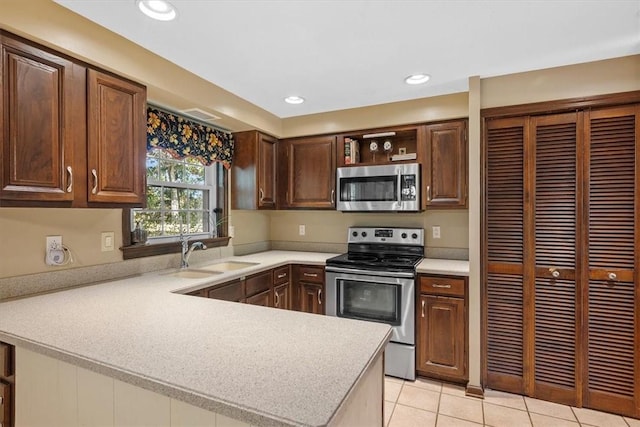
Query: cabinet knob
(612, 276)
(554, 272)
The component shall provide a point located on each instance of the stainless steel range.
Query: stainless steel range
(375, 281)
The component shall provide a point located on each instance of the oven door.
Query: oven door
(368, 296)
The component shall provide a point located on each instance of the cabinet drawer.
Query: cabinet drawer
(258, 283)
(313, 274)
(228, 292)
(281, 275)
(442, 286)
(6, 365)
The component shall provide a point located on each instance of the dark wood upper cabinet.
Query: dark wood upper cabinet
(308, 173)
(70, 136)
(253, 173)
(42, 114)
(445, 168)
(117, 140)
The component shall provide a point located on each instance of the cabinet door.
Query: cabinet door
(230, 291)
(281, 296)
(311, 298)
(611, 280)
(263, 299)
(253, 173)
(267, 172)
(441, 337)
(309, 174)
(445, 174)
(41, 115)
(117, 140)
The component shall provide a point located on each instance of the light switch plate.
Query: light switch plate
(107, 239)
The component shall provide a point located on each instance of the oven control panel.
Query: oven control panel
(394, 235)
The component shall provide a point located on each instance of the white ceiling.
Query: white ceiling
(352, 53)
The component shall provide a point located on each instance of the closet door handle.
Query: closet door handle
(94, 190)
(70, 180)
(612, 276)
(554, 272)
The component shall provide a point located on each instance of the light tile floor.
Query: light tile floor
(428, 403)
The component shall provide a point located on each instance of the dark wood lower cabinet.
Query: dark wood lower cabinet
(7, 385)
(281, 296)
(442, 329)
(263, 299)
(311, 298)
(308, 285)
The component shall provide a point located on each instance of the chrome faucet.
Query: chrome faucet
(187, 249)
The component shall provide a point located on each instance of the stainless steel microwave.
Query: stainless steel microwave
(392, 188)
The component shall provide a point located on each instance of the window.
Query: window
(181, 198)
(184, 195)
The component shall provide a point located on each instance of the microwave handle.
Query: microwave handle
(399, 188)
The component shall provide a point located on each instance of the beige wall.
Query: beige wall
(331, 226)
(23, 233)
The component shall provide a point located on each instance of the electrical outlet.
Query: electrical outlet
(301, 230)
(53, 242)
(436, 231)
(107, 239)
(54, 251)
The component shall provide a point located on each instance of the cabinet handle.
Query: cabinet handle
(261, 195)
(554, 272)
(277, 299)
(70, 172)
(319, 296)
(311, 274)
(94, 190)
(422, 308)
(428, 193)
(612, 276)
(435, 285)
(333, 196)
(280, 276)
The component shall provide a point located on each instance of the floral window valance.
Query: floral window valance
(183, 138)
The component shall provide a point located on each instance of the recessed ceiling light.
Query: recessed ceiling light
(294, 100)
(157, 9)
(417, 79)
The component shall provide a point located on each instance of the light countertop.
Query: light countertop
(256, 364)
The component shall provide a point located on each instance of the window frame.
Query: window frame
(221, 189)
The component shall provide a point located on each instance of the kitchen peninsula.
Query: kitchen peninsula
(139, 349)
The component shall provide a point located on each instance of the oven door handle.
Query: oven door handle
(333, 269)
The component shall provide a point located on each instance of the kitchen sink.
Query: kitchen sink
(227, 266)
(193, 274)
